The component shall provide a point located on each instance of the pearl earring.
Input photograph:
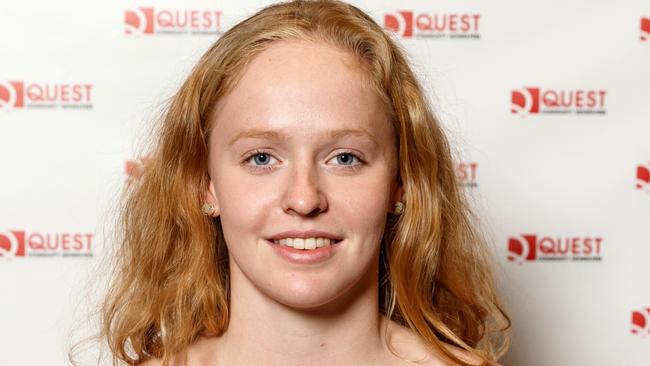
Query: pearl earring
(399, 208)
(208, 209)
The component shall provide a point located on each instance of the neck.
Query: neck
(263, 331)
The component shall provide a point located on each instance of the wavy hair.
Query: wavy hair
(170, 280)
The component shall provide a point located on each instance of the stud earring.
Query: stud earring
(207, 209)
(399, 208)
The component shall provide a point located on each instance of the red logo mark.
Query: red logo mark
(641, 322)
(133, 169)
(645, 29)
(12, 244)
(138, 21)
(530, 247)
(11, 94)
(534, 100)
(466, 173)
(400, 24)
(455, 25)
(146, 21)
(525, 101)
(643, 177)
(522, 248)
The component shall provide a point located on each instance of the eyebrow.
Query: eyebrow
(279, 136)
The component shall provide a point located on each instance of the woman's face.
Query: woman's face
(301, 149)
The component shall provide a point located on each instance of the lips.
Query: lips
(296, 234)
(305, 256)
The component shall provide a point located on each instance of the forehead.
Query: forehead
(304, 87)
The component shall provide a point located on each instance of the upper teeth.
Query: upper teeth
(304, 243)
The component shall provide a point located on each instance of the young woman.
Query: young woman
(300, 208)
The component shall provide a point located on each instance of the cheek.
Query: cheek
(363, 204)
(245, 202)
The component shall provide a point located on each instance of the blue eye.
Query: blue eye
(261, 158)
(346, 158)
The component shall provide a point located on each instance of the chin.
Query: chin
(314, 295)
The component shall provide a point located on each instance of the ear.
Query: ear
(398, 195)
(211, 198)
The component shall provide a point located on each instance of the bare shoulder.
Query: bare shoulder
(408, 349)
(196, 355)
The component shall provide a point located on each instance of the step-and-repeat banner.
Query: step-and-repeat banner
(546, 103)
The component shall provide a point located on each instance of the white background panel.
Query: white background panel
(554, 175)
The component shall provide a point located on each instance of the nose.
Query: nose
(303, 195)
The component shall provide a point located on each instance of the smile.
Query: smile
(306, 250)
(305, 243)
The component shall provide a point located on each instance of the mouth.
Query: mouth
(305, 244)
(305, 251)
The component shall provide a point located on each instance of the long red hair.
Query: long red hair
(170, 281)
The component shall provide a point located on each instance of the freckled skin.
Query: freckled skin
(302, 92)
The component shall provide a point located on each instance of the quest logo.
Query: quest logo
(531, 248)
(149, 21)
(466, 174)
(409, 24)
(641, 322)
(536, 100)
(645, 29)
(20, 243)
(643, 177)
(20, 94)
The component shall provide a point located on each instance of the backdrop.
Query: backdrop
(545, 101)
